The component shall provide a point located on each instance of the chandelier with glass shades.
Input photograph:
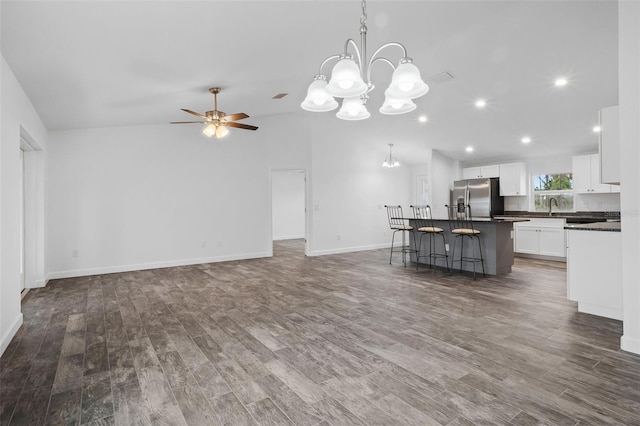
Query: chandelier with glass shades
(390, 162)
(351, 81)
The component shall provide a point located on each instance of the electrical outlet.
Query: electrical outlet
(446, 247)
(75, 253)
(339, 237)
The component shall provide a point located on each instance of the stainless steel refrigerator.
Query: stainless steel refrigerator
(483, 195)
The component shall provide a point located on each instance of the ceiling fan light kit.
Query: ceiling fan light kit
(351, 81)
(217, 122)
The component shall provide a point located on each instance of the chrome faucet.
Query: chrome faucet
(551, 202)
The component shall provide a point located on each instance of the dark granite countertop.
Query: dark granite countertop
(597, 216)
(597, 226)
(496, 219)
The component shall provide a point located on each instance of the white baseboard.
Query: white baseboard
(41, 283)
(541, 257)
(347, 249)
(289, 237)
(601, 311)
(6, 339)
(152, 265)
(24, 293)
(630, 344)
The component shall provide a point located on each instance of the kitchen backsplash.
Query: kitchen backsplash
(584, 202)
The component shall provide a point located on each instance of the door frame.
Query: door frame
(22, 219)
(31, 211)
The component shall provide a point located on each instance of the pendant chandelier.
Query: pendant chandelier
(352, 81)
(390, 162)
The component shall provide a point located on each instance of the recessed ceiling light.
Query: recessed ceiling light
(561, 81)
(596, 129)
(422, 119)
(469, 149)
(481, 103)
(526, 139)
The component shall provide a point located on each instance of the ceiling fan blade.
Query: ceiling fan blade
(241, 126)
(187, 122)
(235, 117)
(197, 114)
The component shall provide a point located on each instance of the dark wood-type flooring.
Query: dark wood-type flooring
(331, 340)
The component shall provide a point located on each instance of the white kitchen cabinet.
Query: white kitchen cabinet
(594, 272)
(526, 239)
(610, 146)
(491, 171)
(551, 241)
(513, 179)
(586, 175)
(545, 237)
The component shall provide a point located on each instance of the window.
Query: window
(558, 186)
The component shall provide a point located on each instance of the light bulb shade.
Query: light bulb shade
(391, 163)
(318, 100)
(396, 106)
(406, 82)
(221, 131)
(353, 109)
(346, 80)
(210, 130)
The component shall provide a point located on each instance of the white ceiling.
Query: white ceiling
(118, 63)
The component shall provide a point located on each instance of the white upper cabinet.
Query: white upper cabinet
(610, 146)
(490, 171)
(513, 179)
(586, 175)
(470, 172)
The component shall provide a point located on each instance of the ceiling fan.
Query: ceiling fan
(217, 121)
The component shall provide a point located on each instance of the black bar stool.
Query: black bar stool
(425, 227)
(398, 223)
(461, 224)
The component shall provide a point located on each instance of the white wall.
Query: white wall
(581, 202)
(17, 114)
(151, 196)
(288, 204)
(349, 187)
(629, 97)
(444, 171)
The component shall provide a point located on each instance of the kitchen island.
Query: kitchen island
(496, 239)
(594, 268)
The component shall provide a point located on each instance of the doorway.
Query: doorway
(22, 219)
(288, 209)
(31, 205)
(422, 189)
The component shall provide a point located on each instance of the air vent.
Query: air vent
(280, 95)
(440, 78)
